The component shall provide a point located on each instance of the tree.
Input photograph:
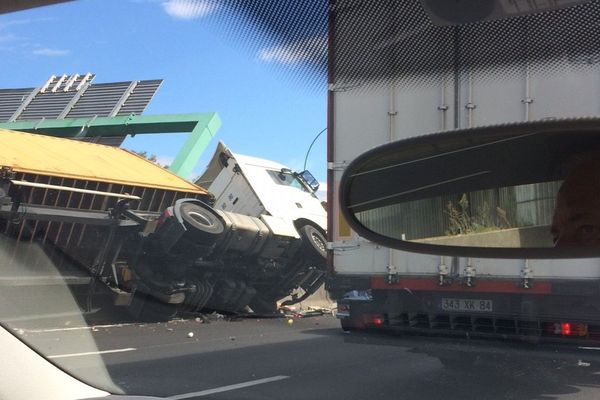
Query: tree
(151, 157)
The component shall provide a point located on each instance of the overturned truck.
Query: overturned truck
(160, 243)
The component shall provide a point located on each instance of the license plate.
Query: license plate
(467, 305)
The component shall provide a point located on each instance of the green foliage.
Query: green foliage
(462, 222)
(151, 157)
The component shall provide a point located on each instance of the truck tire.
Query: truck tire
(313, 245)
(261, 305)
(145, 308)
(347, 325)
(351, 324)
(202, 223)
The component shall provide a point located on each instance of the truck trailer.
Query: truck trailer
(420, 70)
(158, 242)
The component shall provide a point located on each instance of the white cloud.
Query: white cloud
(24, 21)
(294, 164)
(17, 42)
(48, 52)
(322, 192)
(8, 37)
(293, 53)
(165, 160)
(189, 9)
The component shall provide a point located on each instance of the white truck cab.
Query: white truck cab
(257, 187)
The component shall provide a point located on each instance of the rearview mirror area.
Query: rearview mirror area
(527, 190)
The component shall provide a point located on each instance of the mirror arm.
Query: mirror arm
(443, 272)
(392, 277)
(527, 275)
(470, 274)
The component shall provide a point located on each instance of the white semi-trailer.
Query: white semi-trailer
(417, 68)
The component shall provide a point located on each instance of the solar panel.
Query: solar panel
(46, 105)
(10, 100)
(140, 97)
(76, 96)
(98, 100)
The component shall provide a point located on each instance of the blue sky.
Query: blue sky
(264, 113)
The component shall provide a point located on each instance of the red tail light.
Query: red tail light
(567, 329)
(377, 320)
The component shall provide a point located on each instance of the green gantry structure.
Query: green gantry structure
(201, 126)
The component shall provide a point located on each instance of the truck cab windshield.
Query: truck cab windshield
(288, 178)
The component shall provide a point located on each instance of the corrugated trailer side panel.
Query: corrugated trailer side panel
(72, 164)
(471, 88)
(78, 240)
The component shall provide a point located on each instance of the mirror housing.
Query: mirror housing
(441, 193)
(309, 180)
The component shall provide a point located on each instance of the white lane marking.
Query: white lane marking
(43, 316)
(229, 387)
(89, 353)
(78, 328)
(590, 348)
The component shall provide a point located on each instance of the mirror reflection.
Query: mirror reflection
(532, 185)
(513, 216)
(576, 220)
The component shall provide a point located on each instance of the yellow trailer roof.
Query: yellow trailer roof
(66, 158)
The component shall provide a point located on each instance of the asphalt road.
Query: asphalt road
(312, 358)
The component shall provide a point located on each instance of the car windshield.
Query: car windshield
(141, 255)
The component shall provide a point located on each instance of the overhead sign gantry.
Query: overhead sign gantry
(202, 127)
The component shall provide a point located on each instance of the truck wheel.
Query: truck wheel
(262, 306)
(314, 243)
(347, 325)
(145, 308)
(351, 324)
(158, 313)
(204, 223)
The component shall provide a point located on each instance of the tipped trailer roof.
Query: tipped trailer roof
(45, 155)
(69, 184)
